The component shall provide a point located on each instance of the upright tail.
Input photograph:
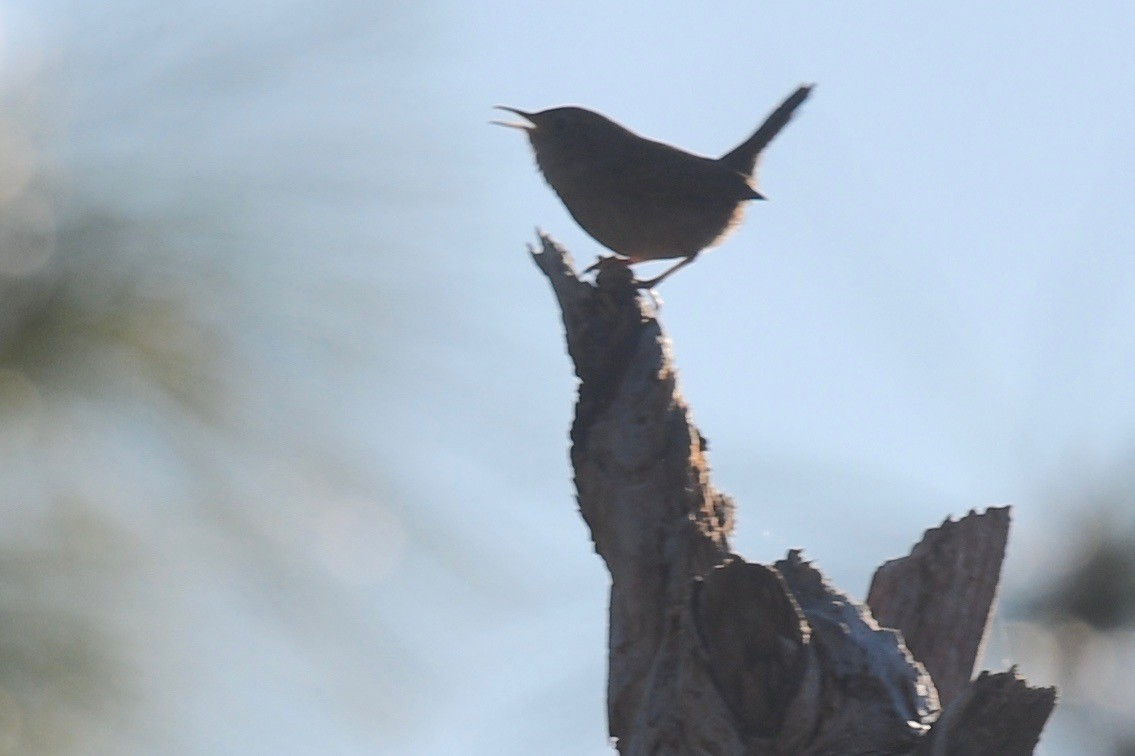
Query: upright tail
(744, 156)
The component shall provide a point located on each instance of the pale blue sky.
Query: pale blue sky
(933, 313)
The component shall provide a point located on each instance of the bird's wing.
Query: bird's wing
(669, 174)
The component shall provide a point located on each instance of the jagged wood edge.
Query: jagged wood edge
(941, 595)
(998, 713)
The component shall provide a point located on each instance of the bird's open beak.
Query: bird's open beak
(521, 113)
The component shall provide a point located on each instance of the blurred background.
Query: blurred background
(284, 405)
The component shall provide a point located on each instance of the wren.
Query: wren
(645, 200)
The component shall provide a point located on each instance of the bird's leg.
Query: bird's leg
(665, 274)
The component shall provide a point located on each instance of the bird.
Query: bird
(642, 199)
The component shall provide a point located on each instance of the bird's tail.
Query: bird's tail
(744, 156)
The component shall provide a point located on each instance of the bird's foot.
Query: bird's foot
(612, 271)
(616, 271)
(605, 263)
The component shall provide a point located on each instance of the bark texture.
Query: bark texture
(710, 654)
(941, 595)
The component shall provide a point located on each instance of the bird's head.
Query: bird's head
(568, 134)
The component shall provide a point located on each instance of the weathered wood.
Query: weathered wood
(995, 714)
(711, 654)
(876, 697)
(640, 472)
(754, 636)
(941, 595)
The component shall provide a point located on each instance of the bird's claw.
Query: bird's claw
(606, 263)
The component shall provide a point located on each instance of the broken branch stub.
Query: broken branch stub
(941, 595)
(709, 653)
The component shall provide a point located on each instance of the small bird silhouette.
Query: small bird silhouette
(642, 199)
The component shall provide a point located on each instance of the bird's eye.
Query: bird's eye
(559, 123)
